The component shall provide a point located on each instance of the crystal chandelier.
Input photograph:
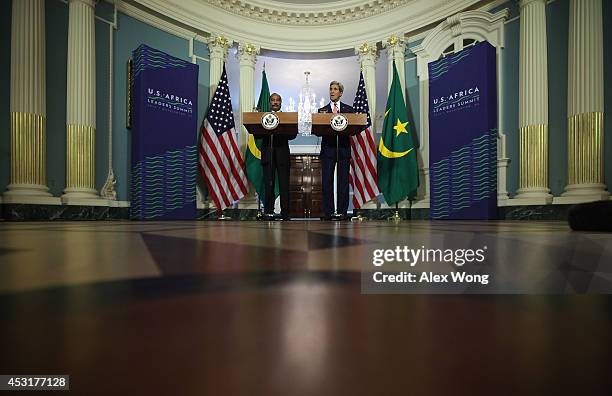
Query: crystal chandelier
(291, 106)
(306, 106)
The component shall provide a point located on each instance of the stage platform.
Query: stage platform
(276, 308)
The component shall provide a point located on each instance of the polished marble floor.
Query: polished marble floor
(257, 308)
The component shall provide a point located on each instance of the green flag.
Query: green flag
(253, 151)
(263, 104)
(398, 174)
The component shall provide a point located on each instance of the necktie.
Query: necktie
(335, 110)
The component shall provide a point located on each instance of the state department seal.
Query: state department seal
(269, 121)
(338, 123)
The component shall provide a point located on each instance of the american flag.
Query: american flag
(363, 154)
(220, 162)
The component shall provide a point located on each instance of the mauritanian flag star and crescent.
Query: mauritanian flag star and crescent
(398, 174)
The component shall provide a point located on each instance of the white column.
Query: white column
(585, 105)
(396, 52)
(108, 188)
(423, 59)
(81, 105)
(502, 160)
(247, 56)
(533, 105)
(368, 55)
(28, 106)
(217, 48)
(423, 193)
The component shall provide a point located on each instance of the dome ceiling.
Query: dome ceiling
(318, 26)
(317, 12)
(304, 2)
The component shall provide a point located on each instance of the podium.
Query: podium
(347, 125)
(281, 124)
(321, 124)
(287, 123)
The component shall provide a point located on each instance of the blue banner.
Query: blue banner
(164, 136)
(463, 134)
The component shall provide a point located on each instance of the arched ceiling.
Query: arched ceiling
(318, 26)
(308, 2)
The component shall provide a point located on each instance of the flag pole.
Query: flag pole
(222, 215)
(410, 208)
(259, 214)
(396, 218)
(358, 218)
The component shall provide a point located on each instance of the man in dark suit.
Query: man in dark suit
(275, 159)
(335, 150)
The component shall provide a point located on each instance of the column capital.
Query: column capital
(247, 54)
(218, 46)
(395, 41)
(91, 3)
(396, 47)
(525, 3)
(367, 53)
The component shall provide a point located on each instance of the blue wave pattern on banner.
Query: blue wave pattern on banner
(466, 176)
(166, 183)
(442, 66)
(440, 180)
(149, 58)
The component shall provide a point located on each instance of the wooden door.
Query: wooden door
(305, 186)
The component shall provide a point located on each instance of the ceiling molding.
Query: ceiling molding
(312, 14)
(153, 20)
(343, 33)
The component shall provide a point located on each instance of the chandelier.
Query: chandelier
(306, 106)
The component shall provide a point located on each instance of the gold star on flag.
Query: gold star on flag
(400, 127)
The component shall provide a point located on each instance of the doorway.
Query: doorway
(305, 186)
